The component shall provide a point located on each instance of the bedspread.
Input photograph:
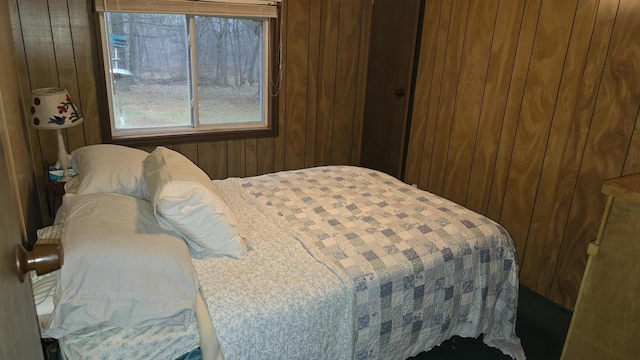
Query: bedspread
(279, 302)
(420, 268)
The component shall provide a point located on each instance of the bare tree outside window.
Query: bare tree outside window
(151, 83)
(228, 66)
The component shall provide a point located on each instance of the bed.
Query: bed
(334, 262)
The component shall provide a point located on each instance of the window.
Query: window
(202, 71)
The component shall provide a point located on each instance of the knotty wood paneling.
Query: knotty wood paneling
(521, 112)
(325, 43)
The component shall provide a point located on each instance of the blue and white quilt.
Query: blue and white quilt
(416, 268)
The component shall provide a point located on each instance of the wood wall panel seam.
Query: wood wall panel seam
(614, 118)
(446, 107)
(363, 65)
(482, 103)
(512, 111)
(423, 87)
(536, 114)
(333, 81)
(315, 10)
(543, 252)
(501, 61)
(23, 72)
(326, 80)
(632, 160)
(296, 98)
(466, 116)
(434, 99)
(346, 79)
(581, 122)
(573, 136)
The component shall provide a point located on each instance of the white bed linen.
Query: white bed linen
(151, 342)
(120, 269)
(279, 302)
(141, 343)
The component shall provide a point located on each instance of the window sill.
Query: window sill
(189, 136)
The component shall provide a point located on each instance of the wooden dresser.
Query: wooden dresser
(606, 321)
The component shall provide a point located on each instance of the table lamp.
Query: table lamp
(53, 109)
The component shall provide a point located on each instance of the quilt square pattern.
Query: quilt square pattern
(421, 268)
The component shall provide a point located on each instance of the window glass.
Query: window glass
(179, 73)
(149, 70)
(229, 70)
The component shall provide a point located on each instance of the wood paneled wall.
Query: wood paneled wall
(322, 90)
(14, 132)
(522, 110)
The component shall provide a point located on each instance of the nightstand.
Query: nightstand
(54, 189)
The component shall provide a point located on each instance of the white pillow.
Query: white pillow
(107, 168)
(185, 200)
(121, 268)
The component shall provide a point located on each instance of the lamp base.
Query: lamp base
(63, 156)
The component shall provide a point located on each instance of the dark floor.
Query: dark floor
(541, 325)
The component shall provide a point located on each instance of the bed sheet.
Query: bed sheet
(110, 342)
(151, 342)
(278, 302)
(419, 268)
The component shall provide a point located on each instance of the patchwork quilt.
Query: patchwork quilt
(419, 268)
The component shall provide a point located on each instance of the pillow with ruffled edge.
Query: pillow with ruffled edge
(107, 168)
(185, 200)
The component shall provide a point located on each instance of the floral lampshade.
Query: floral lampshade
(52, 108)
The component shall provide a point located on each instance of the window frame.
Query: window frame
(171, 135)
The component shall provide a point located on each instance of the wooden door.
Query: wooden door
(394, 26)
(19, 335)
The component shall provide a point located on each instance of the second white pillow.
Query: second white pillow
(185, 200)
